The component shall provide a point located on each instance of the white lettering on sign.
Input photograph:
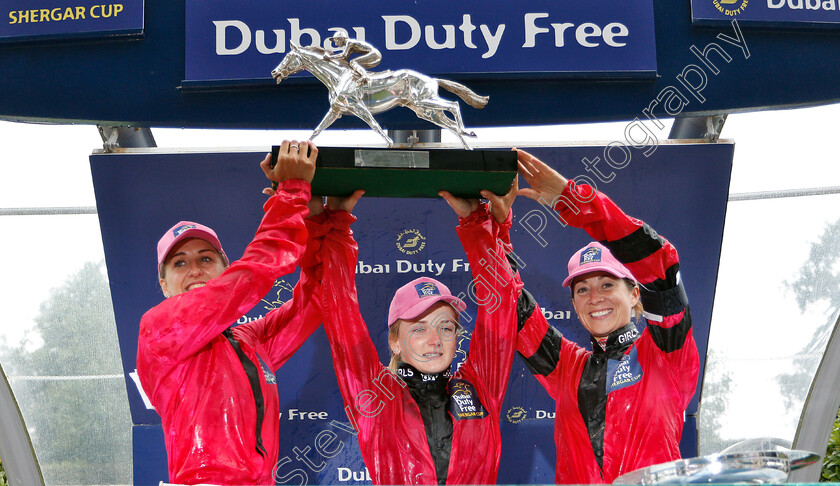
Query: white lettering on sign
(295, 414)
(560, 314)
(544, 414)
(405, 266)
(347, 474)
(229, 32)
(587, 34)
(404, 32)
(800, 4)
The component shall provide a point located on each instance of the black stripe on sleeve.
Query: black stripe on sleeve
(545, 359)
(667, 283)
(670, 339)
(636, 246)
(524, 308)
(512, 262)
(665, 302)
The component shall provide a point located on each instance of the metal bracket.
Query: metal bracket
(115, 138)
(707, 128)
(413, 137)
(714, 125)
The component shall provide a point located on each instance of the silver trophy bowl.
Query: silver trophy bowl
(767, 463)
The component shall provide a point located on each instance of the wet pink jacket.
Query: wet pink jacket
(193, 375)
(647, 390)
(390, 427)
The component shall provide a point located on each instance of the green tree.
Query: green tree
(831, 463)
(75, 408)
(3, 480)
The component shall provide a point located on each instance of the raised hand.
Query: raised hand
(545, 183)
(315, 206)
(500, 205)
(295, 160)
(462, 207)
(335, 203)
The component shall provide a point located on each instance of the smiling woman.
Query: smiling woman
(189, 359)
(435, 418)
(427, 341)
(603, 302)
(189, 255)
(620, 406)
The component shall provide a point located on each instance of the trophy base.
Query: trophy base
(411, 172)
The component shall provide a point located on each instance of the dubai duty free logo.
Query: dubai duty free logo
(730, 8)
(411, 241)
(516, 414)
(462, 388)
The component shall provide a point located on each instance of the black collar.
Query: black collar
(419, 381)
(618, 341)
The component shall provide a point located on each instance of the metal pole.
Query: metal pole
(820, 410)
(16, 449)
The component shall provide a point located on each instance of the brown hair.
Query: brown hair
(638, 308)
(393, 336)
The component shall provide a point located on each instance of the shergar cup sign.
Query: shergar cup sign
(390, 172)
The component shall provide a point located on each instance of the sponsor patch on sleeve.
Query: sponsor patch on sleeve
(623, 373)
(464, 403)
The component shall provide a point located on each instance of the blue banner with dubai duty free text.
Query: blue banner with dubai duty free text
(241, 41)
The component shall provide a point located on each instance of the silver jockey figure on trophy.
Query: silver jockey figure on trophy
(355, 91)
(369, 56)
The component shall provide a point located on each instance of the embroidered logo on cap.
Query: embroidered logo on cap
(590, 255)
(426, 289)
(180, 229)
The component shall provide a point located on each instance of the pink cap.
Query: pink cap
(182, 231)
(595, 257)
(415, 297)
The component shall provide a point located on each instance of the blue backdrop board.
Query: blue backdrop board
(679, 189)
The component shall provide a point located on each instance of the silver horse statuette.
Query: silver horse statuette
(356, 92)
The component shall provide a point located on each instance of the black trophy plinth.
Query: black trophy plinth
(411, 172)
